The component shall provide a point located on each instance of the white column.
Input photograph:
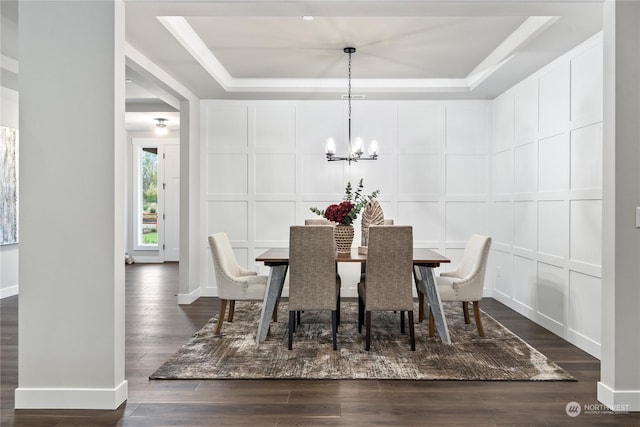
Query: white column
(619, 385)
(71, 309)
(191, 239)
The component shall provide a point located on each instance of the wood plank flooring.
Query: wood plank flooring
(156, 327)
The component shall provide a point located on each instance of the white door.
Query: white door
(171, 202)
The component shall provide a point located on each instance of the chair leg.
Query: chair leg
(360, 314)
(476, 315)
(338, 308)
(465, 310)
(232, 309)
(334, 327)
(298, 316)
(420, 307)
(274, 316)
(432, 324)
(402, 322)
(223, 309)
(292, 325)
(367, 345)
(412, 334)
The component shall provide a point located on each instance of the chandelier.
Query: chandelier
(356, 146)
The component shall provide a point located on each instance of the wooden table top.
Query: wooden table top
(278, 256)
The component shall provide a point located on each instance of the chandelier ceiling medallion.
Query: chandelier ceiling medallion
(356, 146)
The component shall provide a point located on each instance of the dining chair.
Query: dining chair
(322, 221)
(466, 282)
(234, 282)
(387, 284)
(313, 280)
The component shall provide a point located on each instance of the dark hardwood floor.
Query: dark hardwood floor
(156, 327)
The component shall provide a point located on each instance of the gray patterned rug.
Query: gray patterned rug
(500, 355)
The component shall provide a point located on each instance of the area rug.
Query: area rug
(500, 355)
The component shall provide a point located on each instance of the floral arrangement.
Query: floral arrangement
(347, 211)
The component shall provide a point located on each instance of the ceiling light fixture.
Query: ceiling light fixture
(356, 148)
(161, 127)
(307, 17)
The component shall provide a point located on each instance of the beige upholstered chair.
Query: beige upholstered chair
(234, 282)
(313, 282)
(388, 284)
(322, 221)
(465, 283)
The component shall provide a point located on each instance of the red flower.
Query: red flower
(337, 213)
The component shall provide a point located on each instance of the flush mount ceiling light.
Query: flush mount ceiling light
(307, 17)
(356, 146)
(161, 127)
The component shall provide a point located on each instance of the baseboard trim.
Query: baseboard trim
(71, 398)
(619, 401)
(186, 299)
(9, 291)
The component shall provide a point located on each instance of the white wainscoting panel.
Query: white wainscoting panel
(526, 168)
(586, 231)
(555, 103)
(586, 158)
(427, 218)
(233, 167)
(466, 174)
(525, 121)
(553, 228)
(525, 281)
(464, 219)
(226, 128)
(420, 127)
(419, 174)
(275, 128)
(553, 174)
(503, 223)
(503, 125)
(587, 87)
(525, 225)
(504, 282)
(503, 172)
(467, 128)
(556, 197)
(585, 305)
(228, 216)
(273, 220)
(552, 293)
(275, 174)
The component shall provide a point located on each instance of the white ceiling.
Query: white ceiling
(262, 49)
(405, 49)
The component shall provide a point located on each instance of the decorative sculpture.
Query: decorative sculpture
(371, 215)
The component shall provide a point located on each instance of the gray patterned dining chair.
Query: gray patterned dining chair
(234, 282)
(313, 280)
(387, 284)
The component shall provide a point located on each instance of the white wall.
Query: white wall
(9, 253)
(263, 166)
(547, 185)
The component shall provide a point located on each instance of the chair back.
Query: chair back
(318, 222)
(389, 274)
(312, 268)
(474, 259)
(224, 260)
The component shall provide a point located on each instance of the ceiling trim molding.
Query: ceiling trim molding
(180, 29)
(139, 59)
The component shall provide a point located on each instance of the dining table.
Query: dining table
(425, 261)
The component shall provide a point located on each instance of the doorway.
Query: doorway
(155, 212)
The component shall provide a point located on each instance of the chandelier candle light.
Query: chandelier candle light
(356, 146)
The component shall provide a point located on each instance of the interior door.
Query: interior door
(171, 202)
